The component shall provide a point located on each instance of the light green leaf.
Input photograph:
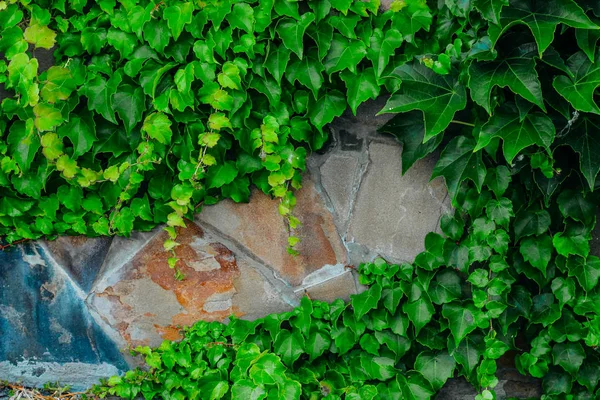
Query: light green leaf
(586, 270)
(221, 174)
(242, 17)
(178, 16)
(578, 89)
(46, 117)
(58, 86)
(158, 126)
(366, 301)
(329, 106)
(361, 87)
(23, 143)
(40, 36)
(437, 369)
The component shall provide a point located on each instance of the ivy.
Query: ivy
(156, 108)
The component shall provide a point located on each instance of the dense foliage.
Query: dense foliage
(156, 108)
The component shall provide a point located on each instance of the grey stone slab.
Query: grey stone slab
(80, 256)
(339, 174)
(393, 213)
(46, 329)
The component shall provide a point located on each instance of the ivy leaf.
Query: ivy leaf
(544, 310)
(292, 32)
(344, 54)
(366, 301)
(93, 39)
(586, 270)
(58, 86)
(587, 40)
(246, 389)
(490, 9)
(157, 34)
(445, 288)
(578, 89)
(345, 24)
(40, 36)
(584, 138)
(361, 87)
(409, 129)
(382, 47)
(23, 143)
(242, 17)
(537, 251)
(316, 343)
(419, 312)
(500, 211)
(178, 16)
(531, 223)
(566, 244)
(309, 72)
(588, 376)
(129, 103)
(568, 355)
(341, 5)
(289, 345)
(469, 352)
(438, 96)
(81, 131)
(46, 117)
(329, 106)
(461, 320)
(515, 71)
(436, 368)
(277, 61)
(517, 133)
(221, 174)
(391, 297)
(158, 126)
(459, 162)
(322, 34)
(541, 18)
(100, 93)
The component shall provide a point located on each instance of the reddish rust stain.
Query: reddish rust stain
(193, 292)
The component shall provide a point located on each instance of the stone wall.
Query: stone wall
(68, 307)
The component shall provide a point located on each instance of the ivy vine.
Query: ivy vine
(156, 108)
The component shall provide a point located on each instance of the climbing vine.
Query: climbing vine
(156, 108)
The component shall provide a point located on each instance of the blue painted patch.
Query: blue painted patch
(43, 315)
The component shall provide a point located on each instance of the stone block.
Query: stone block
(393, 213)
(47, 332)
(258, 227)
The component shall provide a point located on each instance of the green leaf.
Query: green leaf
(541, 18)
(566, 244)
(469, 352)
(445, 288)
(345, 24)
(292, 32)
(277, 61)
(568, 355)
(341, 5)
(100, 92)
(125, 43)
(564, 290)
(322, 34)
(433, 256)
(93, 39)
(23, 143)
(329, 106)
(419, 312)
(309, 72)
(544, 310)
(242, 17)
(459, 162)
(586, 270)
(158, 126)
(584, 138)
(573, 204)
(517, 133)
(129, 103)
(588, 375)
(490, 9)
(221, 174)
(364, 302)
(178, 15)
(46, 117)
(317, 343)
(157, 34)
(344, 54)
(58, 86)
(531, 223)
(587, 40)
(438, 96)
(461, 320)
(437, 369)
(361, 87)
(515, 72)
(40, 36)
(382, 47)
(289, 346)
(500, 211)
(246, 389)
(537, 251)
(81, 131)
(578, 89)
(267, 370)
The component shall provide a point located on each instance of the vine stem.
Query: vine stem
(462, 123)
(6, 246)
